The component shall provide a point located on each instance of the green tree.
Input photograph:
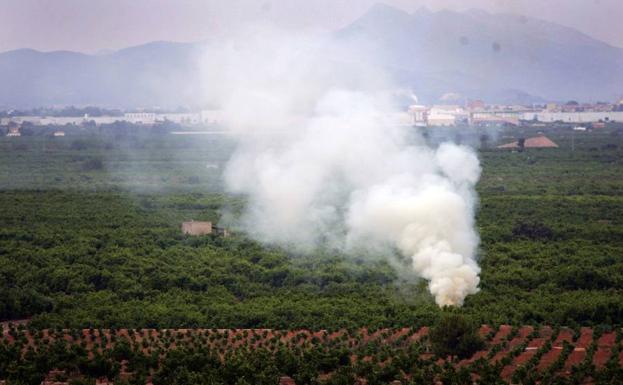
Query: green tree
(455, 336)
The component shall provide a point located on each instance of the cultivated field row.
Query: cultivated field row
(515, 354)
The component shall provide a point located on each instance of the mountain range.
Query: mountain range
(500, 58)
(496, 57)
(153, 74)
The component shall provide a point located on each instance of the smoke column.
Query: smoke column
(324, 161)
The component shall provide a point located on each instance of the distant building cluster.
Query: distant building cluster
(472, 113)
(204, 117)
(478, 113)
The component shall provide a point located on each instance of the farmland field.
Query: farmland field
(90, 238)
(263, 356)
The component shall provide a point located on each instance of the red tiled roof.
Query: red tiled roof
(535, 142)
(285, 380)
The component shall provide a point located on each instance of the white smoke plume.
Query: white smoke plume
(323, 158)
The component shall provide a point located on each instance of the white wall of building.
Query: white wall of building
(574, 117)
(140, 117)
(180, 118)
(211, 117)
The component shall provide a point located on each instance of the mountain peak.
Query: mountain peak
(382, 8)
(477, 12)
(422, 11)
(434, 51)
(381, 12)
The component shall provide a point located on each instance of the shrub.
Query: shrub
(79, 145)
(93, 164)
(455, 336)
(533, 231)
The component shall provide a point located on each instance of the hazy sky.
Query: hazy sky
(94, 25)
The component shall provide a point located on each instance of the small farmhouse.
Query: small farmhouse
(13, 129)
(197, 228)
(203, 228)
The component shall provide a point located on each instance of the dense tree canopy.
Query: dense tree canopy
(90, 236)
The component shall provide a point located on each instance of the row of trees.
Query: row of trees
(262, 356)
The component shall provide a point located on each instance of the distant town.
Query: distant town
(478, 113)
(471, 113)
(13, 121)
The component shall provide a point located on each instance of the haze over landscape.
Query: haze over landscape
(95, 26)
(290, 192)
(498, 57)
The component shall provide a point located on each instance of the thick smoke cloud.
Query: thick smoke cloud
(324, 159)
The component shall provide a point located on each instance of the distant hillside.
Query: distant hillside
(497, 57)
(154, 74)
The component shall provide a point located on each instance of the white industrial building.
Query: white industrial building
(209, 117)
(439, 115)
(139, 117)
(447, 115)
(419, 115)
(180, 118)
(212, 117)
(574, 117)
